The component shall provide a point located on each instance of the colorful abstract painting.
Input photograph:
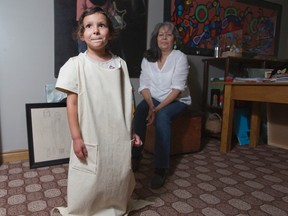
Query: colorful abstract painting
(252, 27)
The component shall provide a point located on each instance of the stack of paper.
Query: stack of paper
(258, 79)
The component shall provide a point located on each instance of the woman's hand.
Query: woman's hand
(136, 141)
(80, 149)
(151, 116)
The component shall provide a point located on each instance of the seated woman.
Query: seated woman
(163, 86)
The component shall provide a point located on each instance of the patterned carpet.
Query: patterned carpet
(243, 182)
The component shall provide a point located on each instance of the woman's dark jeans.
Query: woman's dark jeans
(162, 125)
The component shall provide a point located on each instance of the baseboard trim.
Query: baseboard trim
(11, 156)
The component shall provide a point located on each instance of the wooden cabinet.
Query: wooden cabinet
(236, 66)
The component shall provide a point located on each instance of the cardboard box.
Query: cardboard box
(229, 53)
(259, 72)
(277, 125)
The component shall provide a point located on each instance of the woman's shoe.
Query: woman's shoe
(159, 178)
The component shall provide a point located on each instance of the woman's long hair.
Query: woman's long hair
(154, 53)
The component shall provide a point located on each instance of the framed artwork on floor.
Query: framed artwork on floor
(252, 27)
(49, 139)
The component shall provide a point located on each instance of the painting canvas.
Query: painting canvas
(129, 16)
(251, 26)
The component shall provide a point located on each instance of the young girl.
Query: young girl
(99, 102)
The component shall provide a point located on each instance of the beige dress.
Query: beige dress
(104, 183)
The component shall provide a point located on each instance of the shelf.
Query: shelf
(237, 66)
(223, 62)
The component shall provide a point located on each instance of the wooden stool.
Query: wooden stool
(185, 134)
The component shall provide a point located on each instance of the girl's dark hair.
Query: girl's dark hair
(154, 53)
(78, 33)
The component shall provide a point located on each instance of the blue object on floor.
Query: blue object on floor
(242, 125)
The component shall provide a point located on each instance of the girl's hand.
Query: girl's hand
(80, 149)
(136, 141)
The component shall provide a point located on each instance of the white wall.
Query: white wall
(27, 64)
(27, 61)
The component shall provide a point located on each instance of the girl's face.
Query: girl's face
(96, 32)
(165, 39)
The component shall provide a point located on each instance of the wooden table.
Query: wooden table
(272, 92)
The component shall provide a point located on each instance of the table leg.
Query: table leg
(255, 124)
(227, 120)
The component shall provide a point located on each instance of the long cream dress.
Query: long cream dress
(104, 183)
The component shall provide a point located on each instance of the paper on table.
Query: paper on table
(258, 79)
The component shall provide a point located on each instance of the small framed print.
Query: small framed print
(49, 139)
